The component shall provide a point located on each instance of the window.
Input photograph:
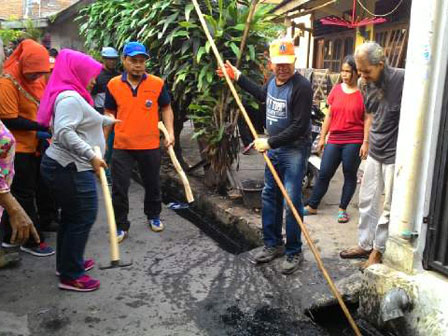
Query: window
(394, 41)
(331, 51)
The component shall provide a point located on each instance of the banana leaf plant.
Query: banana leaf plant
(181, 54)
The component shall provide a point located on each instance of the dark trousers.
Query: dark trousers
(333, 155)
(76, 194)
(23, 188)
(123, 162)
(46, 206)
(47, 211)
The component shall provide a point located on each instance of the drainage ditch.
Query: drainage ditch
(269, 320)
(227, 239)
(333, 320)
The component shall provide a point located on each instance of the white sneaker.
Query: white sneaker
(121, 235)
(8, 245)
(156, 225)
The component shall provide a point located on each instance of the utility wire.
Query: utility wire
(380, 15)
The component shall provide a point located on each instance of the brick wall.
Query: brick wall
(14, 8)
(49, 7)
(11, 9)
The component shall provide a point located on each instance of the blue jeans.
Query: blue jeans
(290, 164)
(75, 192)
(333, 155)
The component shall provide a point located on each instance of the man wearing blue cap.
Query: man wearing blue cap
(136, 98)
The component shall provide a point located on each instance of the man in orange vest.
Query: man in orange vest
(135, 98)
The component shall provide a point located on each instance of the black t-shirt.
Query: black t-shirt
(99, 90)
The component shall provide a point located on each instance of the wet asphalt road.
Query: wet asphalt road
(181, 283)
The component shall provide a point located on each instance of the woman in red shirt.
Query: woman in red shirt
(348, 126)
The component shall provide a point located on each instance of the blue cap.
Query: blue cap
(109, 52)
(134, 49)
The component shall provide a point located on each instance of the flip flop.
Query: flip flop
(307, 213)
(343, 217)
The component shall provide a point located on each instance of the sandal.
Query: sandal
(307, 212)
(354, 253)
(343, 217)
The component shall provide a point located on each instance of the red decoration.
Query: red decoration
(336, 21)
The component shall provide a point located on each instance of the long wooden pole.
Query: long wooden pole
(276, 177)
(114, 251)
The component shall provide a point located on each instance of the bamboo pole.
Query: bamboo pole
(114, 251)
(253, 6)
(276, 177)
(250, 15)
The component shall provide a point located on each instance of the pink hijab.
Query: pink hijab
(73, 71)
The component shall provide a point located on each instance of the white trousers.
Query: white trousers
(373, 227)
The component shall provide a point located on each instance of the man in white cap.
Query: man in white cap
(110, 61)
(288, 97)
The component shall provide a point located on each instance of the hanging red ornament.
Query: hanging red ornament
(337, 21)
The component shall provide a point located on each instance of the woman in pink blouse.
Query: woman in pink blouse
(21, 224)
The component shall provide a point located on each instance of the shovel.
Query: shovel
(114, 251)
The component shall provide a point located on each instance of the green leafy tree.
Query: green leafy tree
(29, 30)
(8, 35)
(181, 54)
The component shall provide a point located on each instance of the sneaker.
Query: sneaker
(43, 250)
(8, 245)
(156, 224)
(88, 265)
(269, 253)
(83, 284)
(292, 263)
(121, 235)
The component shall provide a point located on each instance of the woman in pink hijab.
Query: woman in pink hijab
(70, 163)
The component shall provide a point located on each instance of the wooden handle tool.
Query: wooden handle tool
(177, 166)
